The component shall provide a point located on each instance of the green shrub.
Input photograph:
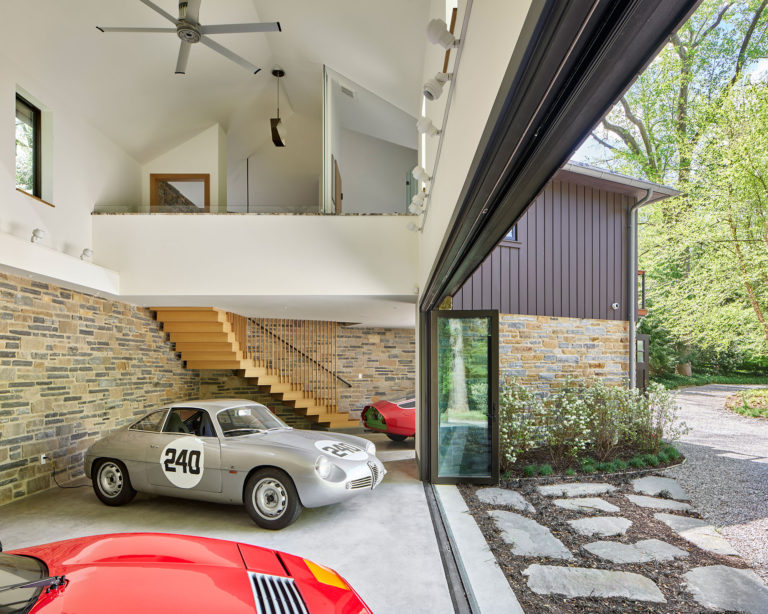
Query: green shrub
(638, 462)
(570, 472)
(584, 417)
(530, 470)
(546, 470)
(672, 452)
(588, 466)
(663, 458)
(651, 460)
(620, 464)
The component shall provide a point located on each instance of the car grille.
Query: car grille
(277, 595)
(374, 473)
(361, 483)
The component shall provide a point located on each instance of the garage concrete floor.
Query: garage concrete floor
(382, 542)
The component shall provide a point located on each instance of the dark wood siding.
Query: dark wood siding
(569, 260)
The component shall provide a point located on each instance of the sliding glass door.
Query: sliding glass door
(464, 384)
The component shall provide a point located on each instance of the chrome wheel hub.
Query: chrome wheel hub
(270, 498)
(110, 479)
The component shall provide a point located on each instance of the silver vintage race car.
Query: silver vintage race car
(232, 451)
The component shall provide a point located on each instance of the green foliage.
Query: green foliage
(570, 472)
(585, 417)
(672, 380)
(637, 461)
(671, 452)
(546, 470)
(696, 119)
(621, 465)
(530, 470)
(651, 460)
(752, 403)
(588, 466)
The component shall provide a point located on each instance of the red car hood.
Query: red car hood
(152, 572)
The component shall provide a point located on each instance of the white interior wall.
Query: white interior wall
(203, 153)
(280, 178)
(373, 173)
(284, 255)
(86, 169)
(492, 34)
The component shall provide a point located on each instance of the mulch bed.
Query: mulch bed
(667, 575)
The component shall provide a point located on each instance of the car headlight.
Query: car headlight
(323, 467)
(371, 448)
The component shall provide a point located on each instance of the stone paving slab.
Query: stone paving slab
(575, 489)
(724, 588)
(586, 504)
(506, 498)
(653, 485)
(527, 537)
(698, 532)
(640, 552)
(657, 504)
(604, 526)
(583, 582)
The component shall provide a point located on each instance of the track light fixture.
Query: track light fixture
(433, 88)
(420, 174)
(438, 34)
(37, 235)
(425, 126)
(417, 205)
(87, 254)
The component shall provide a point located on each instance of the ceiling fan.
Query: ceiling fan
(189, 30)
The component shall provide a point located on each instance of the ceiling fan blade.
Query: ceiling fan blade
(229, 54)
(157, 9)
(238, 28)
(181, 63)
(153, 30)
(193, 10)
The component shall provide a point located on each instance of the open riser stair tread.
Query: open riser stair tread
(212, 339)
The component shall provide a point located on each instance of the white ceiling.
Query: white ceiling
(125, 84)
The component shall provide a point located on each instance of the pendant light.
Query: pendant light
(276, 124)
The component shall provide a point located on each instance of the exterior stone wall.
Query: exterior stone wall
(73, 367)
(379, 363)
(229, 385)
(542, 352)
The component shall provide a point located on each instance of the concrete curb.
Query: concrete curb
(487, 588)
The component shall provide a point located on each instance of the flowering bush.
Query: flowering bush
(585, 418)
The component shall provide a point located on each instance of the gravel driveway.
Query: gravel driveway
(726, 473)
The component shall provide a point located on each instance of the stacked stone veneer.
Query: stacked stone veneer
(73, 367)
(379, 363)
(542, 352)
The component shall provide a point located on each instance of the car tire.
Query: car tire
(271, 499)
(395, 437)
(111, 482)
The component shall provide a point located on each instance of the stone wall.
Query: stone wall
(73, 367)
(379, 363)
(229, 385)
(542, 352)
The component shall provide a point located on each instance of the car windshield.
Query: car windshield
(15, 569)
(248, 419)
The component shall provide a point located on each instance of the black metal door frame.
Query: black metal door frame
(493, 394)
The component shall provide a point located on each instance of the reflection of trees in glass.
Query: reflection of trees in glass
(463, 368)
(24, 156)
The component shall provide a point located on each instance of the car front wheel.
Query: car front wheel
(271, 499)
(111, 482)
(395, 437)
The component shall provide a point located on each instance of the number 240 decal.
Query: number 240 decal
(187, 460)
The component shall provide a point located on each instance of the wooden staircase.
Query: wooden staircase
(207, 339)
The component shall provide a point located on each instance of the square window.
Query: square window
(28, 147)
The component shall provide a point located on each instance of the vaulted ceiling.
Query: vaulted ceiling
(125, 85)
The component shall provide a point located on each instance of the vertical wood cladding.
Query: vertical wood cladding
(569, 259)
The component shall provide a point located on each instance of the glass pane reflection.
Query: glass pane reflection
(464, 400)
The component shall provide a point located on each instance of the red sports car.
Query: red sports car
(126, 573)
(395, 418)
